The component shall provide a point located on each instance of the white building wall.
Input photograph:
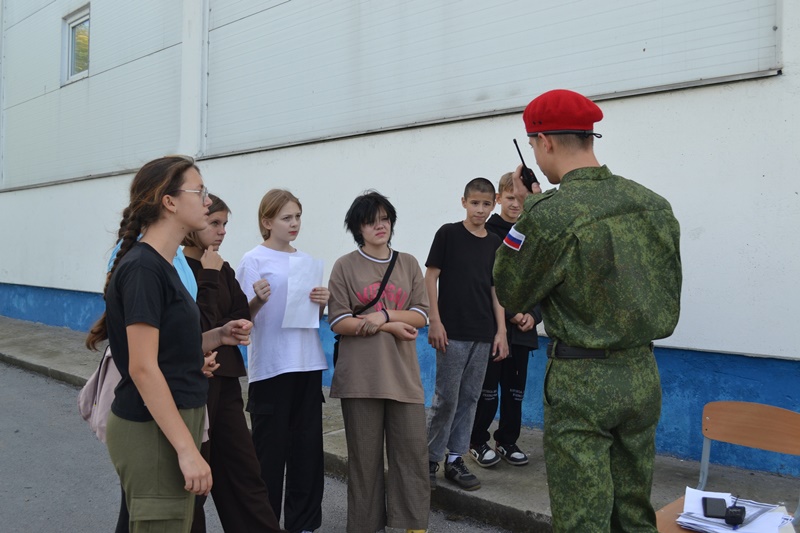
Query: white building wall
(304, 70)
(724, 155)
(125, 113)
(122, 32)
(14, 12)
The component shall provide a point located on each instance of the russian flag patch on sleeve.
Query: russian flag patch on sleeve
(514, 239)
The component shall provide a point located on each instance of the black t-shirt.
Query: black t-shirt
(465, 282)
(500, 227)
(145, 288)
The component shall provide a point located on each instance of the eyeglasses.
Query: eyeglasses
(202, 192)
(381, 221)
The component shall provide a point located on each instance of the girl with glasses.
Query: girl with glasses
(153, 326)
(377, 374)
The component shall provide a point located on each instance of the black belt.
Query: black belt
(559, 350)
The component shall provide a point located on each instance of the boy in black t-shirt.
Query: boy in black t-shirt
(511, 374)
(467, 327)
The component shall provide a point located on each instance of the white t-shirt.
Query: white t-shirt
(276, 350)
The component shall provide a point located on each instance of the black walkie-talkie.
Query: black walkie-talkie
(734, 515)
(528, 177)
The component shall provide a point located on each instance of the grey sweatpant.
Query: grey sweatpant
(459, 378)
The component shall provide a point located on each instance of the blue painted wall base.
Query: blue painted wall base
(55, 307)
(689, 378)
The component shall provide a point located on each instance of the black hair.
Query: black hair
(479, 185)
(365, 209)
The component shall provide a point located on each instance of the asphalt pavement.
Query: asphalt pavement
(514, 498)
(57, 476)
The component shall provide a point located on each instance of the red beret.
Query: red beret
(561, 111)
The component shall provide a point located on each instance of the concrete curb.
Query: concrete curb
(458, 503)
(66, 377)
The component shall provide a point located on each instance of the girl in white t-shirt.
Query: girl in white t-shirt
(285, 367)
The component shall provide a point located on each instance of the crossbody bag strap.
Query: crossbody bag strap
(384, 281)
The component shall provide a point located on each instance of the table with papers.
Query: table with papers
(759, 517)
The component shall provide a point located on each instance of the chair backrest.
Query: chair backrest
(754, 425)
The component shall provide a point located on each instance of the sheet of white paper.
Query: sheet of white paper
(305, 273)
(786, 523)
(693, 502)
(766, 523)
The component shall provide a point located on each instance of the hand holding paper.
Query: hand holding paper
(320, 296)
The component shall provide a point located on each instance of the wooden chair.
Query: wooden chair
(754, 425)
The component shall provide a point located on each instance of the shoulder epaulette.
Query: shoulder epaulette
(534, 199)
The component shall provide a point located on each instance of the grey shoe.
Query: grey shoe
(458, 473)
(433, 467)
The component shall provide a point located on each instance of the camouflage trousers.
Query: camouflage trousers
(600, 418)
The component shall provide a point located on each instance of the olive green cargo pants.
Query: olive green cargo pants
(148, 470)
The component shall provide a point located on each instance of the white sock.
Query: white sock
(451, 457)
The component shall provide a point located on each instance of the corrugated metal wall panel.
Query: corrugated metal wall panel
(113, 121)
(307, 70)
(14, 12)
(124, 31)
(32, 56)
(226, 11)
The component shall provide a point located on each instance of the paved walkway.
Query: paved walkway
(511, 497)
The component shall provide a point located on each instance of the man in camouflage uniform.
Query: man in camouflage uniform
(601, 254)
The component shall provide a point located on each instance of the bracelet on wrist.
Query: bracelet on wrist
(385, 314)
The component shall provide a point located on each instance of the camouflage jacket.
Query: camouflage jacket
(602, 256)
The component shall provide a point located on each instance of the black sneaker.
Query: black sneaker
(484, 455)
(433, 467)
(512, 454)
(458, 473)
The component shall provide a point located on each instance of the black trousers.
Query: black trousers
(239, 492)
(286, 413)
(509, 376)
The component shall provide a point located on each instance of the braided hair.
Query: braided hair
(156, 179)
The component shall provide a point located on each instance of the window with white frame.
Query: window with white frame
(76, 45)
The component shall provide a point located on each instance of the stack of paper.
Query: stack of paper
(758, 516)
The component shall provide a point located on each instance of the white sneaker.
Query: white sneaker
(512, 454)
(484, 455)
